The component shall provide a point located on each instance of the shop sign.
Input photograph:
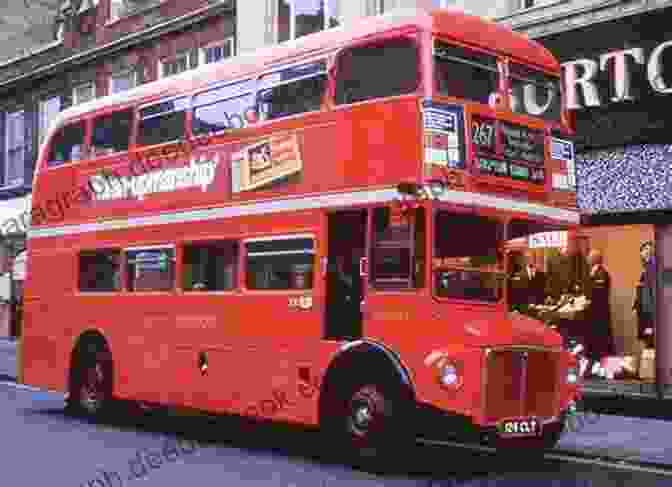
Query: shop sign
(547, 240)
(583, 74)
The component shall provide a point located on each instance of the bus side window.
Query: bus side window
(67, 145)
(163, 122)
(292, 91)
(210, 266)
(151, 269)
(280, 264)
(376, 71)
(229, 107)
(111, 133)
(100, 271)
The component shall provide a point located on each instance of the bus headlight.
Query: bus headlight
(449, 375)
(572, 375)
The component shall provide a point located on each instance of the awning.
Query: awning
(15, 215)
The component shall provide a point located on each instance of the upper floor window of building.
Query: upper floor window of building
(15, 148)
(218, 51)
(297, 18)
(48, 109)
(377, 70)
(123, 8)
(83, 93)
(176, 65)
(523, 4)
(123, 80)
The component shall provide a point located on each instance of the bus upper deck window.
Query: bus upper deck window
(224, 108)
(111, 133)
(163, 122)
(464, 73)
(67, 145)
(377, 71)
(293, 90)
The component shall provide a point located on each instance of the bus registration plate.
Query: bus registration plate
(519, 427)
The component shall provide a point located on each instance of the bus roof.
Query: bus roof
(454, 24)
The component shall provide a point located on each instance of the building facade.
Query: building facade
(617, 71)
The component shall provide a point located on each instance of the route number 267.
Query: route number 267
(482, 133)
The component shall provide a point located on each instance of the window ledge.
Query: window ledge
(134, 13)
(534, 8)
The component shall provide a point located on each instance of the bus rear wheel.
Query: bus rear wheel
(370, 424)
(90, 391)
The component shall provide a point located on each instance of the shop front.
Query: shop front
(618, 82)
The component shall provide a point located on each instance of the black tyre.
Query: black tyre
(369, 424)
(90, 391)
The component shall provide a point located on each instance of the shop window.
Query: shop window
(163, 121)
(210, 266)
(377, 71)
(398, 249)
(292, 91)
(68, 144)
(223, 108)
(151, 269)
(467, 268)
(100, 271)
(297, 18)
(111, 133)
(280, 264)
(462, 73)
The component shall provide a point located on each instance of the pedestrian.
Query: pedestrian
(644, 306)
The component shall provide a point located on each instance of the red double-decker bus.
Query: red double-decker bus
(314, 233)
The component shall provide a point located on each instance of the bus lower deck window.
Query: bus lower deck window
(151, 269)
(282, 264)
(100, 271)
(210, 266)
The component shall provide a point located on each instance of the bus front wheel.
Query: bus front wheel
(370, 423)
(90, 391)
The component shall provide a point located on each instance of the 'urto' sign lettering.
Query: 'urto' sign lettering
(582, 74)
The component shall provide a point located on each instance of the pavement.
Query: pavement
(613, 436)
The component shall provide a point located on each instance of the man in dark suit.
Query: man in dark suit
(534, 281)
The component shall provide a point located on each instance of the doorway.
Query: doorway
(345, 286)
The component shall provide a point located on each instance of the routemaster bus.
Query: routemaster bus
(313, 233)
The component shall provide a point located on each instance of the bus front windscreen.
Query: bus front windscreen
(467, 264)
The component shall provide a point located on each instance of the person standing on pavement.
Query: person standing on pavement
(644, 305)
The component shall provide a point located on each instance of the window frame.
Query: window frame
(172, 59)
(43, 131)
(462, 211)
(85, 143)
(412, 36)
(22, 148)
(202, 52)
(259, 86)
(218, 86)
(91, 121)
(92, 84)
(138, 119)
(126, 262)
(244, 255)
(292, 19)
(204, 241)
(122, 271)
(120, 73)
